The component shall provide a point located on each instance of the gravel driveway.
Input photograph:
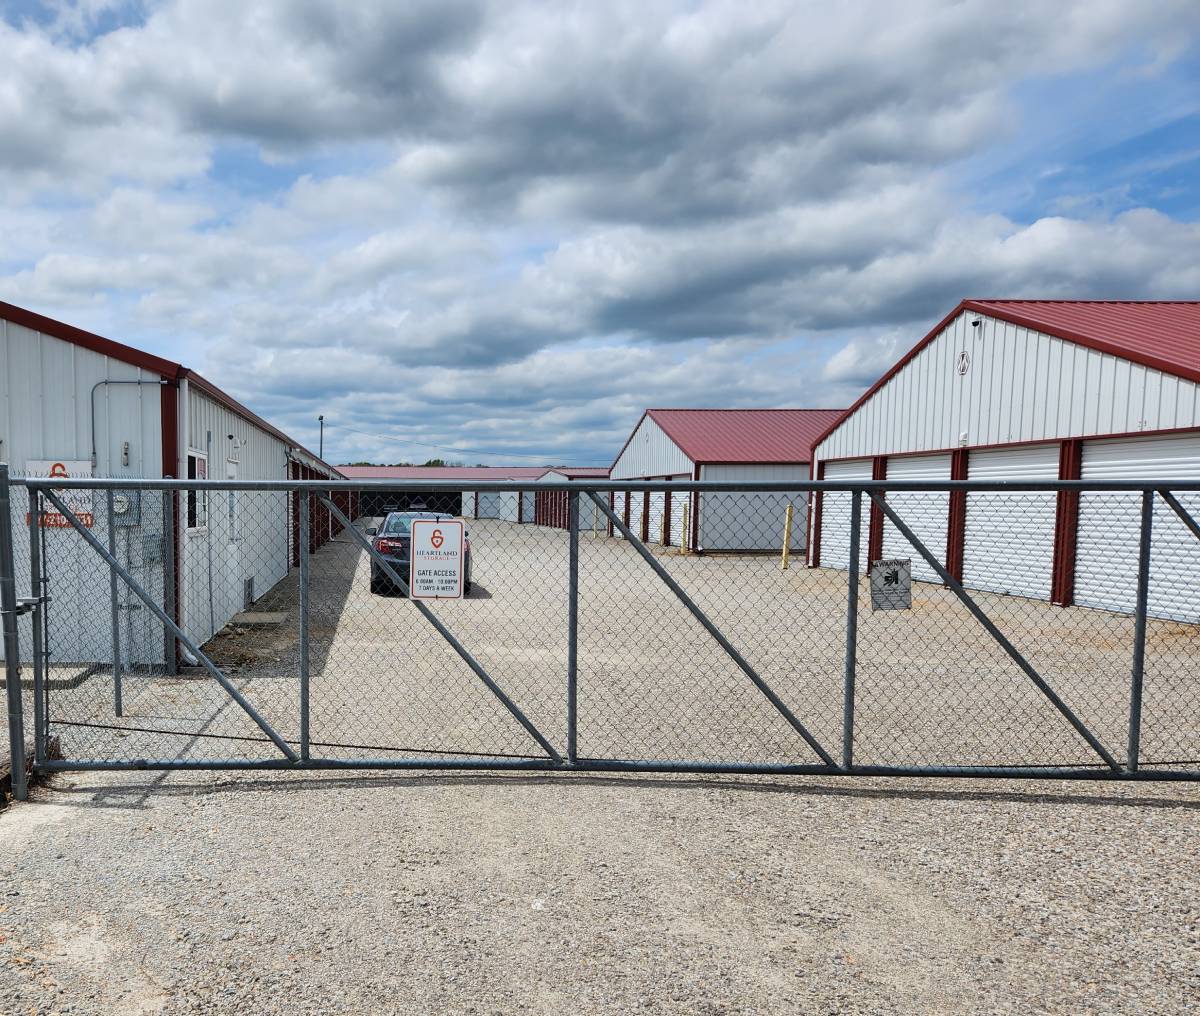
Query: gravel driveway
(526, 893)
(377, 893)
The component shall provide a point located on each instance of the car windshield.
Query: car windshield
(399, 525)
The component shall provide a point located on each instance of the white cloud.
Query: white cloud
(519, 224)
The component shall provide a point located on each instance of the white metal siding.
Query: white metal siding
(925, 513)
(752, 520)
(1106, 553)
(1022, 385)
(498, 505)
(835, 516)
(650, 453)
(1009, 544)
(679, 500)
(215, 563)
(45, 413)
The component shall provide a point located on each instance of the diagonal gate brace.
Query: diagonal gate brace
(1184, 515)
(715, 632)
(990, 626)
(445, 632)
(178, 632)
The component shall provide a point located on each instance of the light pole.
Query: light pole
(321, 446)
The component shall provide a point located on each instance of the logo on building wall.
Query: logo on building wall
(964, 362)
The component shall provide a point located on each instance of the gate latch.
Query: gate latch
(26, 603)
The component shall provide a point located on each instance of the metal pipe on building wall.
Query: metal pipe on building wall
(157, 382)
(208, 526)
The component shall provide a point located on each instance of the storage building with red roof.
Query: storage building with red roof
(1019, 390)
(729, 445)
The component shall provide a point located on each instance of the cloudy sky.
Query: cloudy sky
(495, 232)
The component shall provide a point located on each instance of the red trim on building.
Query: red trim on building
(1115, 436)
(695, 523)
(956, 526)
(875, 529)
(89, 340)
(1001, 313)
(815, 534)
(1066, 525)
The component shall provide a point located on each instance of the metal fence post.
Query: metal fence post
(304, 497)
(852, 579)
(572, 624)
(37, 592)
(1139, 632)
(12, 652)
(118, 707)
(170, 512)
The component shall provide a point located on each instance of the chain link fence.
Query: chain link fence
(834, 628)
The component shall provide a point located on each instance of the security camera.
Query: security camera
(976, 323)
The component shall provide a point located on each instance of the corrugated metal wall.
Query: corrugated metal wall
(752, 520)
(1020, 385)
(1110, 524)
(247, 535)
(45, 405)
(45, 413)
(650, 453)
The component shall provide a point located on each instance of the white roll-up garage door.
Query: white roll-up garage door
(1106, 553)
(635, 513)
(657, 501)
(835, 516)
(926, 513)
(1009, 545)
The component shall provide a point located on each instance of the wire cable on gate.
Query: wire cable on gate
(316, 744)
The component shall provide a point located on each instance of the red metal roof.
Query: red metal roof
(743, 435)
(1162, 334)
(443, 472)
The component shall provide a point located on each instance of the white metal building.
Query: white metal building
(74, 403)
(733, 445)
(1024, 390)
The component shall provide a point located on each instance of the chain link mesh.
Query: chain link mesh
(932, 686)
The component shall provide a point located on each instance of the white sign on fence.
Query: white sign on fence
(437, 560)
(79, 501)
(891, 584)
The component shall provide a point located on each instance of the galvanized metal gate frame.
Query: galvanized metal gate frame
(1109, 767)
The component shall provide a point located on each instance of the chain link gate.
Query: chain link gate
(613, 627)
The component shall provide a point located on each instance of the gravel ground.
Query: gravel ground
(500, 893)
(377, 893)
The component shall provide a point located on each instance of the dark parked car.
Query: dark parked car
(393, 539)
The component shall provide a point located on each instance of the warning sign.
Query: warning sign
(437, 560)
(891, 584)
(79, 501)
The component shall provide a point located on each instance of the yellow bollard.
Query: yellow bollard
(787, 535)
(683, 537)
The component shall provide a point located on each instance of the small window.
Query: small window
(197, 500)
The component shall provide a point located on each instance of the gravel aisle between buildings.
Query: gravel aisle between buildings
(477, 893)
